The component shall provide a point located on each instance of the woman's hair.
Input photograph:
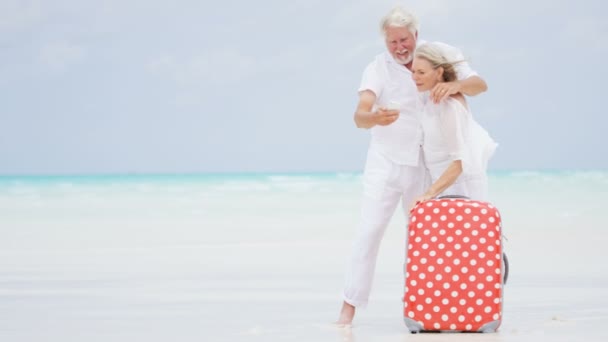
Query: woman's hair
(399, 17)
(432, 53)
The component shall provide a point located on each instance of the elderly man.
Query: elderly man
(394, 170)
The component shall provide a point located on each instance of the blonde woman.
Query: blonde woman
(456, 148)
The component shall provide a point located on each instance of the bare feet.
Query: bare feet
(346, 314)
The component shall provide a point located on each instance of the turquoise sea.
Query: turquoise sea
(260, 257)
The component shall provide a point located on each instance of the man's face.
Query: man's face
(400, 43)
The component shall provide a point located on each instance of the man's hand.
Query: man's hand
(385, 117)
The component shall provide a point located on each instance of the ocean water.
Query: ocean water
(261, 257)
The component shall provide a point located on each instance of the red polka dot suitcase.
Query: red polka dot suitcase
(454, 267)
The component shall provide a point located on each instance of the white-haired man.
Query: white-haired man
(394, 170)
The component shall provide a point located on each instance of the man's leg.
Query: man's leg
(381, 196)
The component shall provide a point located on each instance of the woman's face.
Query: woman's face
(424, 75)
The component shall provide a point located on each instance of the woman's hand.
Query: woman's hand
(419, 199)
(443, 90)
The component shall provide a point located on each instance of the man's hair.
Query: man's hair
(399, 17)
(434, 55)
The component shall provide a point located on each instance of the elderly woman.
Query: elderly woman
(456, 148)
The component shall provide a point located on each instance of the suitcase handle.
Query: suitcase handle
(452, 196)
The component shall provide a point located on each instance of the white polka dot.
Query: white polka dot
(481, 270)
(418, 239)
(429, 284)
(491, 219)
(426, 232)
(491, 234)
(421, 292)
(496, 300)
(482, 241)
(453, 310)
(452, 326)
(428, 300)
(471, 294)
(420, 211)
(458, 232)
(475, 218)
(412, 298)
(475, 204)
(489, 279)
(477, 318)
(472, 278)
(467, 211)
(422, 275)
(454, 294)
(489, 294)
(436, 210)
(440, 261)
(461, 318)
(447, 269)
(496, 316)
(491, 248)
(469, 327)
(473, 262)
(465, 254)
(455, 277)
(457, 246)
(497, 286)
(432, 253)
(449, 253)
(497, 271)
(436, 308)
(437, 326)
(490, 263)
(483, 226)
(409, 246)
(419, 225)
(434, 239)
(414, 267)
(456, 261)
(452, 210)
(414, 218)
(411, 314)
(444, 318)
(459, 218)
(450, 225)
(438, 277)
(470, 310)
(442, 232)
(431, 268)
(474, 247)
(480, 286)
(482, 255)
(459, 204)
(413, 282)
(437, 293)
(425, 246)
(450, 239)
(441, 246)
(427, 316)
(488, 309)
(445, 301)
(479, 302)
(463, 286)
(484, 211)
(467, 225)
(466, 239)
(443, 217)
(419, 307)
(474, 232)
(444, 204)
(416, 253)
(464, 270)
(462, 302)
(423, 261)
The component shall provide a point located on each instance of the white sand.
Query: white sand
(267, 269)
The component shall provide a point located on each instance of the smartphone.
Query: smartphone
(393, 105)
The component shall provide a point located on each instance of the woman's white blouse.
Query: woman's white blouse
(451, 133)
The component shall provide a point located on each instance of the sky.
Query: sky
(130, 86)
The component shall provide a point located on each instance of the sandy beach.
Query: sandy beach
(238, 264)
